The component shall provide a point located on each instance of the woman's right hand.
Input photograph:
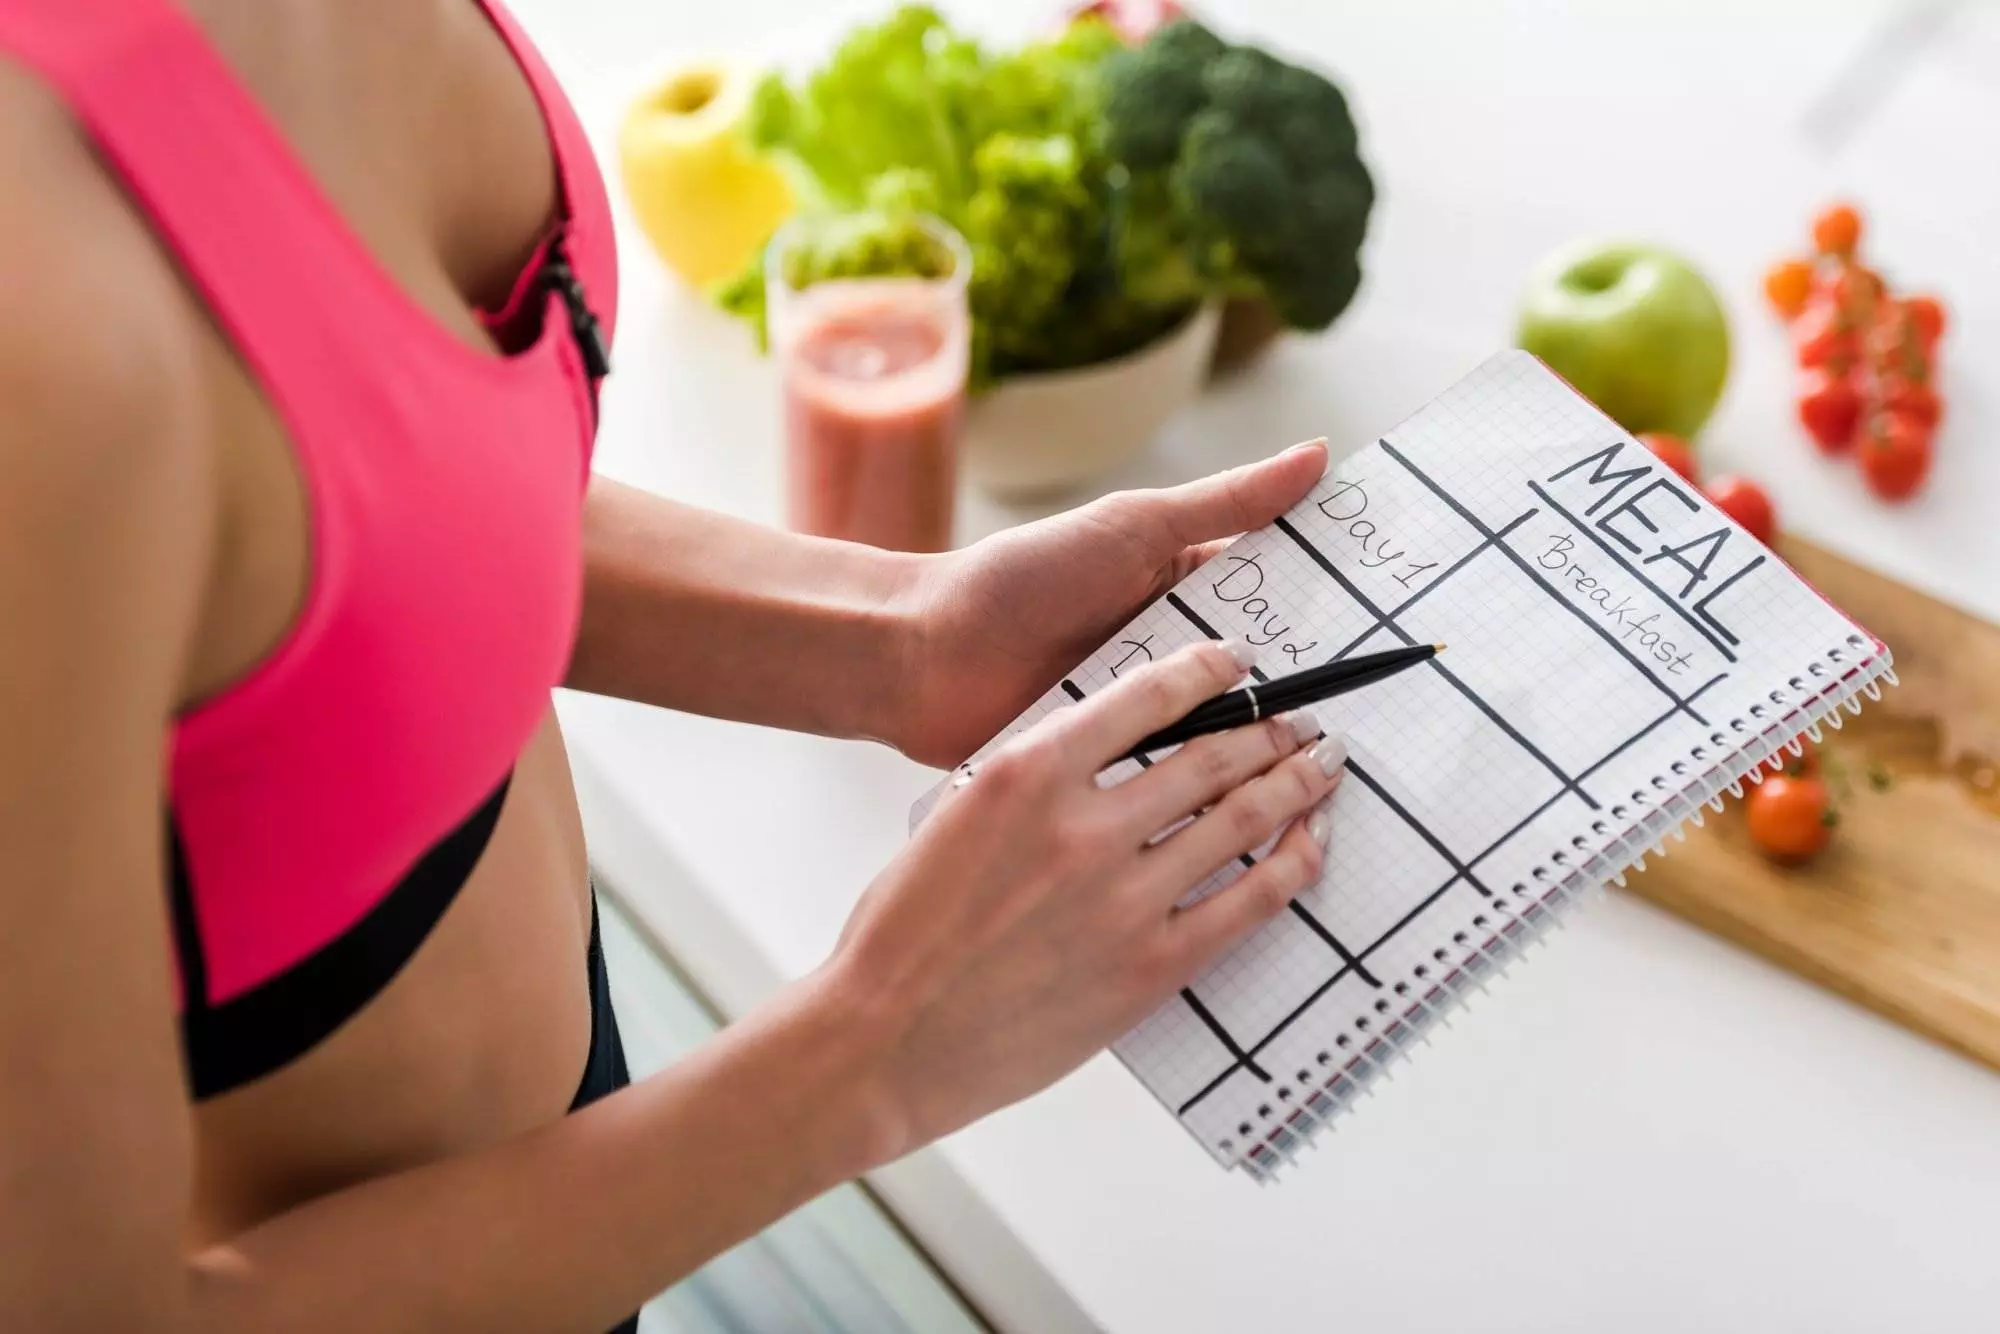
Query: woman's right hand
(1033, 919)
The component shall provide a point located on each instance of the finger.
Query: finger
(1187, 562)
(1245, 819)
(1105, 726)
(1241, 499)
(1202, 772)
(1223, 918)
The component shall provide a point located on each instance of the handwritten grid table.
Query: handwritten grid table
(1469, 780)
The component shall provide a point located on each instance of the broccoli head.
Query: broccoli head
(1256, 162)
(1151, 93)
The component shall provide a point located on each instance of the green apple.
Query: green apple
(1633, 328)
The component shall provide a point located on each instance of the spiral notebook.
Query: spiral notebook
(1621, 655)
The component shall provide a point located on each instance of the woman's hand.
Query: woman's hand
(997, 623)
(1033, 918)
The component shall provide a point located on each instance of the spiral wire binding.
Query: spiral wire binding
(1299, 1109)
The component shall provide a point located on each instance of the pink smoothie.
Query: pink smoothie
(874, 397)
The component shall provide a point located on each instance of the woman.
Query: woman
(302, 1020)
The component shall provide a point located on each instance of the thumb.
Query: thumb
(1241, 499)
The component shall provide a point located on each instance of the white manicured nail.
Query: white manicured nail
(1240, 653)
(1304, 726)
(1320, 825)
(1331, 754)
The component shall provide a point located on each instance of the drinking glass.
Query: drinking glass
(874, 382)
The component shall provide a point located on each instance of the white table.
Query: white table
(1641, 1130)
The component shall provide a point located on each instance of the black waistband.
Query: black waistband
(604, 1070)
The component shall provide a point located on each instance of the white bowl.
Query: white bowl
(1039, 434)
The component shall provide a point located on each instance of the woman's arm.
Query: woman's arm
(105, 507)
(932, 654)
(709, 614)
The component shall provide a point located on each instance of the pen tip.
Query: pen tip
(1437, 648)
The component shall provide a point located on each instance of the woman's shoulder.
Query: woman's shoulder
(104, 470)
(97, 341)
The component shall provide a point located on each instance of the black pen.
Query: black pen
(1268, 699)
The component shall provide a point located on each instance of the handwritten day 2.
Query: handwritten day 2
(1241, 585)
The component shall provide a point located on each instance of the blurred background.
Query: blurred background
(1494, 134)
(1758, 234)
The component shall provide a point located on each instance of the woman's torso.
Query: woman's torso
(416, 122)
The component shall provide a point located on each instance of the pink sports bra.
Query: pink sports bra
(325, 810)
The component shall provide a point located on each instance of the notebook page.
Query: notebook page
(1618, 651)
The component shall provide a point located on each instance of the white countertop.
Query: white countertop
(1641, 1129)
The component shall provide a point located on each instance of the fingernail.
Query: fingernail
(1331, 754)
(1304, 726)
(1319, 444)
(1240, 653)
(1320, 825)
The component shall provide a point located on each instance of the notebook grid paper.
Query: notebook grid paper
(1620, 654)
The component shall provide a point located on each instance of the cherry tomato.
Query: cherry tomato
(1895, 455)
(1744, 501)
(1672, 451)
(1788, 285)
(1914, 399)
(1829, 408)
(1790, 818)
(1896, 346)
(1856, 290)
(1805, 764)
(1837, 230)
(1926, 316)
(1825, 336)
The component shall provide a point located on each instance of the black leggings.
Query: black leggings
(605, 1071)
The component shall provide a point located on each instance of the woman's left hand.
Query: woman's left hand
(1000, 621)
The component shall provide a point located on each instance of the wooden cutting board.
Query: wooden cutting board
(1902, 911)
